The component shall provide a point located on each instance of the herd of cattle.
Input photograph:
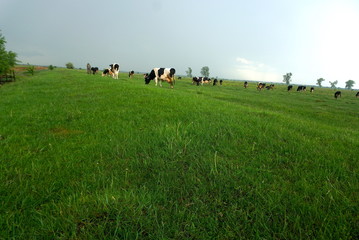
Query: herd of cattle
(168, 74)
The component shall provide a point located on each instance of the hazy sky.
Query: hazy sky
(237, 39)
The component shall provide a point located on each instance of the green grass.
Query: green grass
(90, 157)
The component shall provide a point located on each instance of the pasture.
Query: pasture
(91, 157)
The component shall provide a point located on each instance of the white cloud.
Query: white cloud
(243, 60)
(256, 71)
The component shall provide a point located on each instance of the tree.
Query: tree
(51, 67)
(287, 78)
(205, 71)
(319, 81)
(7, 58)
(333, 84)
(349, 84)
(30, 69)
(69, 65)
(189, 72)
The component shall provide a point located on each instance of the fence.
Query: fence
(9, 77)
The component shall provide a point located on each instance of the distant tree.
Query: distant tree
(319, 81)
(333, 84)
(7, 58)
(205, 71)
(30, 69)
(287, 78)
(51, 67)
(189, 72)
(349, 84)
(69, 65)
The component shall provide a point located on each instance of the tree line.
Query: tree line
(204, 72)
(287, 78)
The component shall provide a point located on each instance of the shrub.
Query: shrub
(30, 69)
(51, 67)
(69, 65)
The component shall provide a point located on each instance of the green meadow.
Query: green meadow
(90, 157)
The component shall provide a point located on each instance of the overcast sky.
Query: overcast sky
(257, 40)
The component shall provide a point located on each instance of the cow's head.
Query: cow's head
(147, 78)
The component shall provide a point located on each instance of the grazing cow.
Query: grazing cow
(94, 70)
(130, 74)
(301, 88)
(245, 85)
(290, 87)
(337, 94)
(161, 74)
(107, 72)
(312, 89)
(88, 67)
(357, 95)
(206, 80)
(215, 82)
(220, 82)
(115, 68)
(196, 80)
(200, 80)
(260, 86)
(270, 87)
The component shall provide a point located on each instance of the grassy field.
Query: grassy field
(90, 157)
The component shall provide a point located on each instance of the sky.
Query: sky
(258, 40)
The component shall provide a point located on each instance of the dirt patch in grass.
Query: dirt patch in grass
(24, 68)
(60, 131)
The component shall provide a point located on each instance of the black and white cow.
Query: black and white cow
(115, 68)
(357, 95)
(301, 88)
(94, 70)
(131, 73)
(312, 89)
(337, 94)
(245, 85)
(161, 74)
(215, 82)
(290, 87)
(107, 72)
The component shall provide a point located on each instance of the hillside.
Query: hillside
(90, 157)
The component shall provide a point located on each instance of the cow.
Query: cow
(337, 94)
(107, 72)
(312, 89)
(88, 66)
(220, 82)
(200, 80)
(206, 80)
(290, 87)
(115, 68)
(270, 87)
(215, 82)
(94, 70)
(260, 86)
(196, 80)
(131, 73)
(245, 85)
(301, 88)
(161, 74)
(357, 95)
